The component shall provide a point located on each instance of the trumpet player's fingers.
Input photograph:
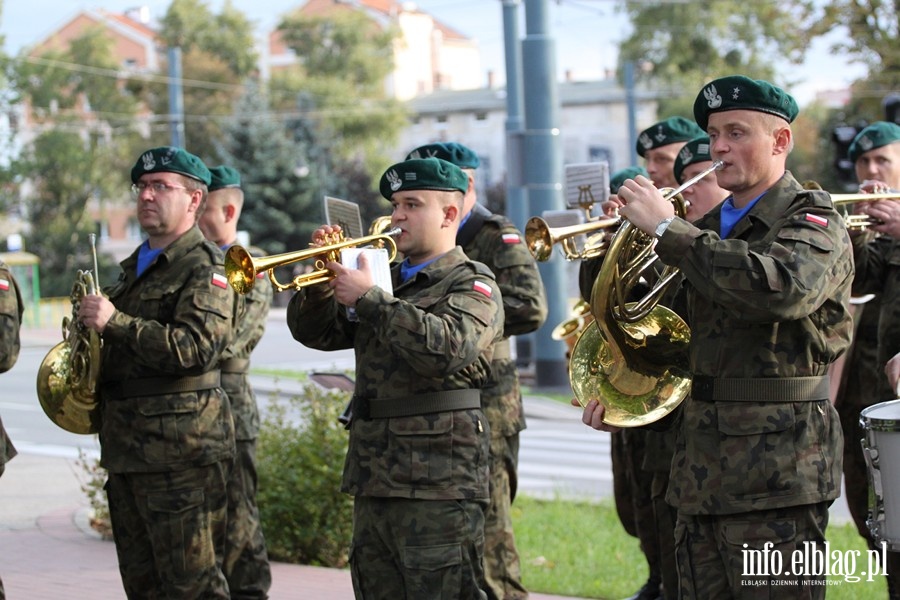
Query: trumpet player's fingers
(322, 235)
(888, 213)
(592, 416)
(611, 207)
(873, 186)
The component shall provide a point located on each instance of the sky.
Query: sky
(585, 33)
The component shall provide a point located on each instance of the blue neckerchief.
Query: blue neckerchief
(731, 215)
(408, 271)
(465, 218)
(146, 256)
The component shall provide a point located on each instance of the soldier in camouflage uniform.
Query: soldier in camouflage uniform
(10, 320)
(875, 152)
(246, 563)
(766, 287)
(493, 240)
(417, 462)
(167, 436)
(646, 451)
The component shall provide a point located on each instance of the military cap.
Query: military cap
(224, 177)
(876, 135)
(695, 151)
(737, 92)
(619, 177)
(459, 155)
(170, 159)
(423, 174)
(670, 131)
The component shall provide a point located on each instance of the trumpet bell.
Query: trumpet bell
(239, 269)
(650, 386)
(67, 402)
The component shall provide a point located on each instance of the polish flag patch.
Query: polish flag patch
(4, 285)
(480, 286)
(511, 238)
(219, 281)
(817, 220)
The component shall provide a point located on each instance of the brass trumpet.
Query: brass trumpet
(540, 238)
(861, 222)
(241, 269)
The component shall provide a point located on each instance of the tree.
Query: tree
(344, 59)
(686, 44)
(873, 39)
(217, 58)
(81, 152)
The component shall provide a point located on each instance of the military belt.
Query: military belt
(419, 404)
(760, 389)
(158, 386)
(235, 365)
(501, 350)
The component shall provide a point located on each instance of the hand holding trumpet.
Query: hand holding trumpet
(884, 212)
(644, 205)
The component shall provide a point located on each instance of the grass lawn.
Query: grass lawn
(580, 549)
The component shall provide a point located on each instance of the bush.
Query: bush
(300, 455)
(92, 479)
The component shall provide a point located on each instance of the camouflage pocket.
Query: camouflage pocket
(182, 533)
(421, 450)
(758, 448)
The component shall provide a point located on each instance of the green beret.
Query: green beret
(170, 159)
(619, 177)
(423, 174)
(737, 92)
(224, 177)
(695, 151)
(459, 155)
(876, 135)
(670, 131)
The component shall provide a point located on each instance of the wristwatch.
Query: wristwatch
(661, 228)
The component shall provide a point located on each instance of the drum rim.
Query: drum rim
(878, 423)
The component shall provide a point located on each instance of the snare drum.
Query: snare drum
(881, 447)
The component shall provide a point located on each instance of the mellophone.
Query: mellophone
(881, 447)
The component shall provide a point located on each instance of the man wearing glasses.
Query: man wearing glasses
(167, 436)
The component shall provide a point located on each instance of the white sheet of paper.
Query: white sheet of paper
(378, 263)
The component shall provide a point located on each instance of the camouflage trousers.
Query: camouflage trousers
(501, 559)
(246, 563)
(726, 556)
(169, 530)
(415, 549)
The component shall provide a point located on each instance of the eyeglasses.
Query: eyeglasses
(157, 187)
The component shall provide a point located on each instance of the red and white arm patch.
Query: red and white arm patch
(480, 286)
(817, 219)
(4, 285)
(511, 238)
(219, 280)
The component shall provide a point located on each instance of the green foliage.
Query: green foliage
(300, 455)
(686, 44)
(344, 59)
(573, 548)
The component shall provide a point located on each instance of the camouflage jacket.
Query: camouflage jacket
(495, 241)
(11, 308)
(435, 333)
(249, 329)
(770, 301)
(172, 322)
(878, 272)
